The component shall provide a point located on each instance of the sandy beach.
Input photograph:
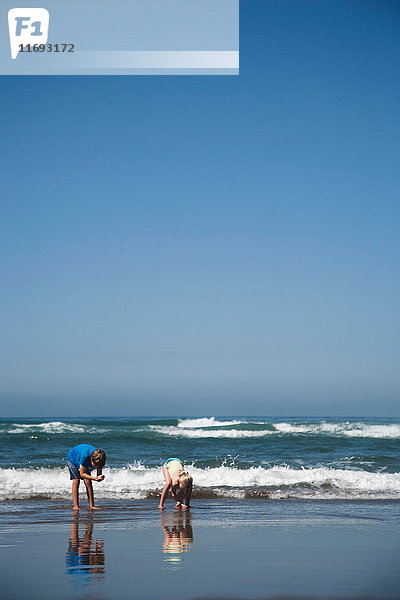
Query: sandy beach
(220, 549)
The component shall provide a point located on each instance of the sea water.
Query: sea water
(231, 457)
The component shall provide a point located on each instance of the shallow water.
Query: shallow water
(220, 549)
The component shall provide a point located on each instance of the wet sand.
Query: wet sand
(220, 549)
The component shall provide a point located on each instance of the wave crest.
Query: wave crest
(211, 427)
(346, 429)
(170, 430)
(138, 482)
(52, 427)
(206, 422)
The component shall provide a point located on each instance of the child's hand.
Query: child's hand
(100, 477)
(178, 505)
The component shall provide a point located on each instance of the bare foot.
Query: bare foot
(94, 507)
(76, 508)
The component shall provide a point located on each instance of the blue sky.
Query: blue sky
(209, 245)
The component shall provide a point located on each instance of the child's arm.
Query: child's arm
(188, 495)
(177, 494)
(100, 474)
(175, 491)
(84, 475)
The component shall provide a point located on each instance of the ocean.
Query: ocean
(282, 508)
(231, 457)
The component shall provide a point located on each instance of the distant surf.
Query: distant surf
(211, 427)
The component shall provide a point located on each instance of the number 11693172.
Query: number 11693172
(46, 48)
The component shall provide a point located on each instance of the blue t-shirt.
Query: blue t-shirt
(80, 455)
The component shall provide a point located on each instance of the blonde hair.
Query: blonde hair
(98, 457)
(184, 480)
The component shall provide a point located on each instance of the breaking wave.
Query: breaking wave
(138, 482)
(206, 422)
(347, 429)
(209, 427)
(171, 430)
(53, 427)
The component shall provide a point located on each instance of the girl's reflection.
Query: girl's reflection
(178, 535)
(85, 557)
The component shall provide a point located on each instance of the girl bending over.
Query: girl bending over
(179, 481)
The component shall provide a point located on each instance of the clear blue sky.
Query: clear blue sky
(209, 245)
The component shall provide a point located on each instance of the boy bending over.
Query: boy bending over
(81, 460)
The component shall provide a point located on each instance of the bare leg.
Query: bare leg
(168, 482)
(75, 493)
(89, 492)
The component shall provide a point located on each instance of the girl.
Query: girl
(179, 481)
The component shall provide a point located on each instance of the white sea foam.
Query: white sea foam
(347, 429)
(286, 476)
(135, 482)
(208, 433)
(128, 482)
(53, 427)
(206, 422)
(210, 428)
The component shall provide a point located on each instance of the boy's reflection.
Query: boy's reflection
(85, 557)
(178, 536)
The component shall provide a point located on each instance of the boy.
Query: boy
(81, 460)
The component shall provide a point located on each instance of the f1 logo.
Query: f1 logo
(27, 26)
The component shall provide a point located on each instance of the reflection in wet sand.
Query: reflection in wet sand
(178, 534)
(85, 556)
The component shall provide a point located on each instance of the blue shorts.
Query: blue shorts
(74, 471)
